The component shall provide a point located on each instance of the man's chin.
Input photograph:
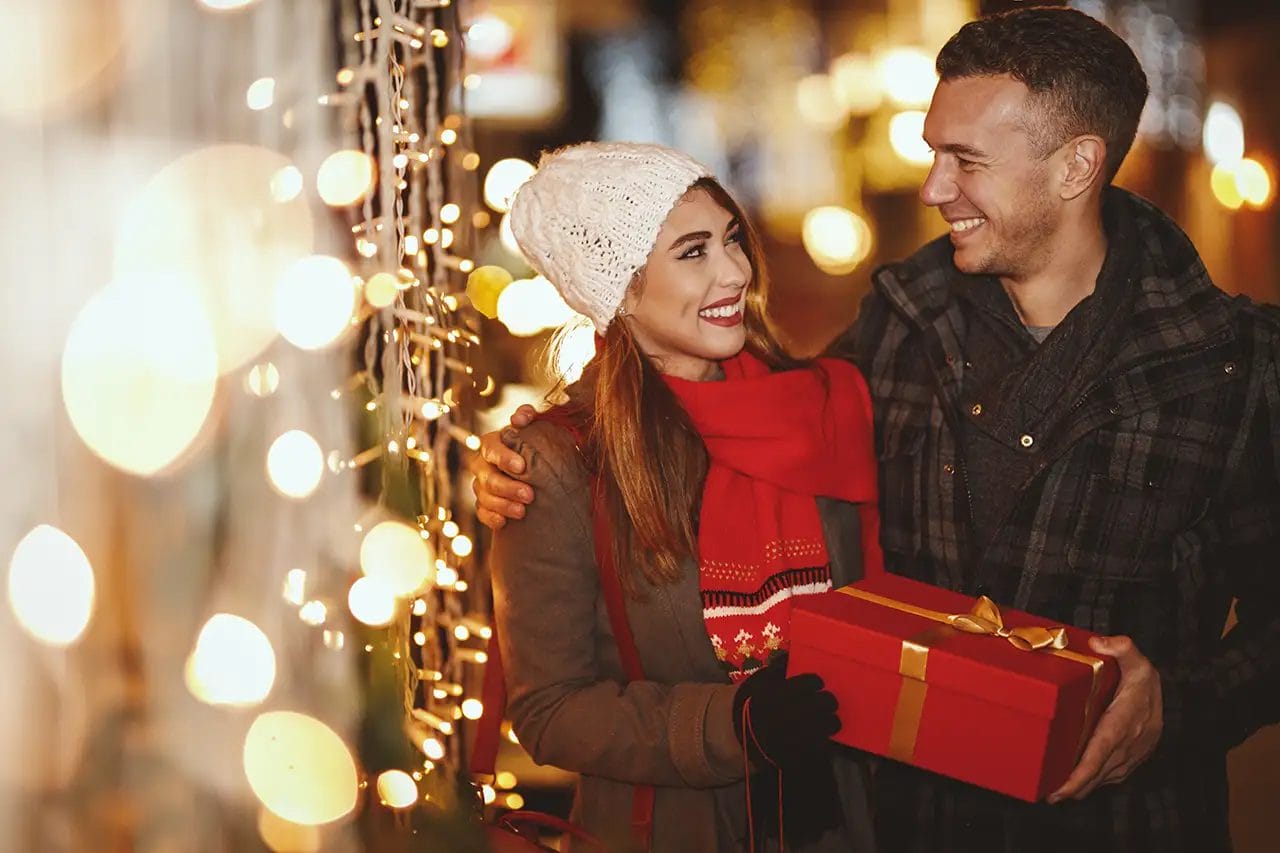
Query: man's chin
(968, 264)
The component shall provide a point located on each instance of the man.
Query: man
(1072, 419)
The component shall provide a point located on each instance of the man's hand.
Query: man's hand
(1128, 730)
(498, 496)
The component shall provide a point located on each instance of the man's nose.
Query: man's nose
(939, 187)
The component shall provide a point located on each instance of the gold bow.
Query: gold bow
(984, 618)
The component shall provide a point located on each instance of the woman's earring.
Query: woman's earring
(622, 311)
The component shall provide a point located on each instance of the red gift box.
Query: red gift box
(927, 676)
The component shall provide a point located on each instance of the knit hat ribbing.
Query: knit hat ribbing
(590, 215)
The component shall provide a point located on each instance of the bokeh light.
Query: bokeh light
(485, 285)
(314, 300)
(51, 586)
(295, 587)
(372, 601)
(489, 37)
(507, 237)
(461, 545)
(137, 390)
(299, 768)
(212, 218)
(836, 239)
(1223, 134)
(1254, 182)
(286, 183)
(313, 612)
(295, 464)
(857, 83)
(907, 76)
(397, 789)
(261, 93)
(504, 178)
(818, 103)
(906, 135)
(532, 305)
(396, 554)
(381, 289)
(262, 380)
(232, 663)
(345, 178)
(1225, 188)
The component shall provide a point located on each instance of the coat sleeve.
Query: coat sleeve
(564, 707)
(1228, 693)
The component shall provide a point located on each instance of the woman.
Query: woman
(730, 481)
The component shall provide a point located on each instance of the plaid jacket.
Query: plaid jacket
(1153, 504)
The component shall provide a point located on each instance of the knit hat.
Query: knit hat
(590, 215)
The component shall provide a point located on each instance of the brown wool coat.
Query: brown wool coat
(567, 703)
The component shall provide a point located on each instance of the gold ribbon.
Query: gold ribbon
(983, 618)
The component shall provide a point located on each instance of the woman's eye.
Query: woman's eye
(736, 237)
(694, 252)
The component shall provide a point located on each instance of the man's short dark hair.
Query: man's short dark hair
(1086, 78)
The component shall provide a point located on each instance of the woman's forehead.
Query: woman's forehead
(697, 210)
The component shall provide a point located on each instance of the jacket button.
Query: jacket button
(1026, 441)
(977, 409)
(1229, 367)
(948, 469)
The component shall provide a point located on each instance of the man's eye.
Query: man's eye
(967, 164)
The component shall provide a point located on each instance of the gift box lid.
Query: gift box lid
(975, 664)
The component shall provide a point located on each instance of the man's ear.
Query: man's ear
(1084, 159)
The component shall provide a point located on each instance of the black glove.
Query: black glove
(789, 719)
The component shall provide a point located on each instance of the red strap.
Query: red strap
(615, 603)
(515, 821)
(611, 586)
(493, 698)
(494, 692)
(749, 734)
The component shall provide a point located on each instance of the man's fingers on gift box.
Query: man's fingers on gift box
(1100, 745)
(1127, 731)
(1112, 770)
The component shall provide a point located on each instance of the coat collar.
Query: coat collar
(1176, 306)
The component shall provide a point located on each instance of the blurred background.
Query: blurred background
(259, 268)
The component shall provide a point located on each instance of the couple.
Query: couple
(1068, 417)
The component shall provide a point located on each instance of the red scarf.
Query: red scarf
(776, 441)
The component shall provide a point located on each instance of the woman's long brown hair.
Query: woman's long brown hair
(640, 441)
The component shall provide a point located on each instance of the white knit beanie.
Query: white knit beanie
(590, 215)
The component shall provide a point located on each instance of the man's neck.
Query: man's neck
(1066, 277)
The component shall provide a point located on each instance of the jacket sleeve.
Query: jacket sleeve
(552, 630)
(1225, 695)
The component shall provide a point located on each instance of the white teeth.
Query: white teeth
(722, 311)
(966, 224)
